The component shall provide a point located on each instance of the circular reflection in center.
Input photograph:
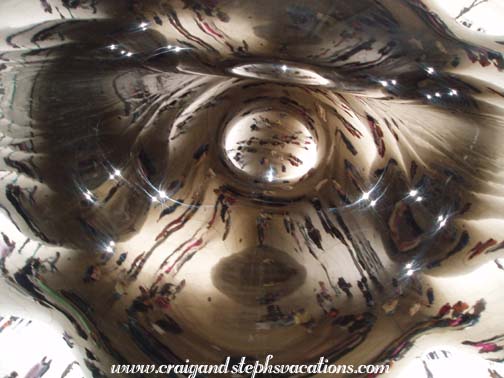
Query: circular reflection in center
(270, 146)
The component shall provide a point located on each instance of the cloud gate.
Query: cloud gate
(212, 180)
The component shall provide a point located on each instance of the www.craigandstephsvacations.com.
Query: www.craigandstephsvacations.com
(250, 368)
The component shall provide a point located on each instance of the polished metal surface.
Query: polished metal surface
(199, 179)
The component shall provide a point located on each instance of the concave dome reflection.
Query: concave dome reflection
(203, 179)
(271, 146)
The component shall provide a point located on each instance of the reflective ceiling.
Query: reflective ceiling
(199, 179)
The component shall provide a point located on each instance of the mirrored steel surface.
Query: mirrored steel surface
(200, 179)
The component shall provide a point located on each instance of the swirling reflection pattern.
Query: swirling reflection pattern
(199, 179)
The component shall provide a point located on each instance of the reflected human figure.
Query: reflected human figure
(68, 369)
(430, 295)
(261, 224)
(494, 374)
(313, 233)
(427, 370)
(16, 197)
(345, 286)
(52, 260)
(6, 248)
(39, 369)
(24, 278)
(122, 257)
(444, 310)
